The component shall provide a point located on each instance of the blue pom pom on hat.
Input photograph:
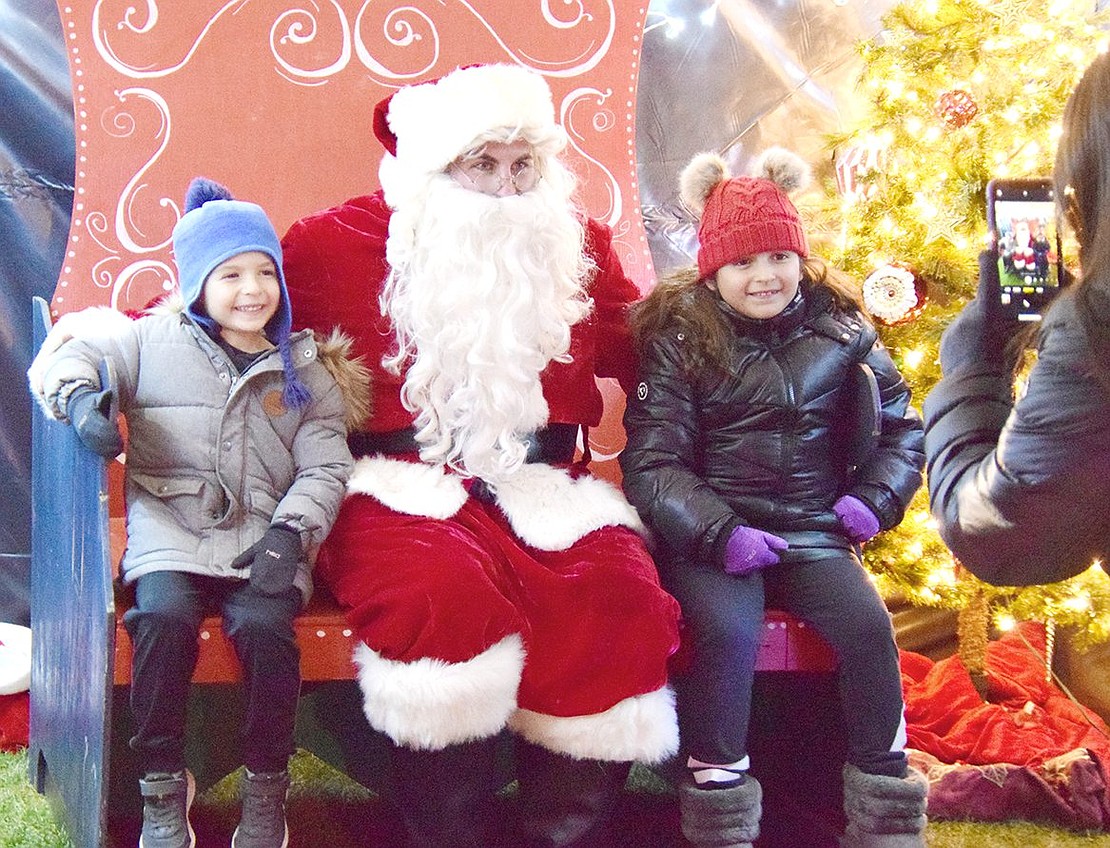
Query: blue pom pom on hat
(214, 228)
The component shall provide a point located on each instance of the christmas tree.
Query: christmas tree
(953, 93)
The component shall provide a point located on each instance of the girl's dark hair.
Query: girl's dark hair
(682, 302)
(1082, 178)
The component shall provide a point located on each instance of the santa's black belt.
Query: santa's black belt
(554, 444)
(389, 442)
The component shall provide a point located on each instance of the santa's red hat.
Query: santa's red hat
(425, 127)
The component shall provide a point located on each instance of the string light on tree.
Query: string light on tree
(988, 107)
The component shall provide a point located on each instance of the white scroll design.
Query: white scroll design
(403, 27)
(122, 232)
(600, 120)
(587, 58)
(293, 21)
(100, 34)
(417, 33)
(126, 228)
(164, 281)
(406, 27)
(119, 283)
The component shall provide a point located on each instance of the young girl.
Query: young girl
(236, 465)
(748, 456)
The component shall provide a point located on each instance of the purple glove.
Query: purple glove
(857, 519)
(749, 549)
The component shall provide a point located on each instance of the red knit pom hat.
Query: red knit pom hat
(742, 216)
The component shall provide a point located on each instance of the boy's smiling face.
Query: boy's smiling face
(241, 295)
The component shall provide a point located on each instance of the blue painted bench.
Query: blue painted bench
(81, 665)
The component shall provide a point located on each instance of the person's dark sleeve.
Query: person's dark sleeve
(1019, 490)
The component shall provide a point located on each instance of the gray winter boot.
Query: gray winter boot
(166, 802)
(721, 818)
(262, 823)
(884, 812)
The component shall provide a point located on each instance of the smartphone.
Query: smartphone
(1021, 216)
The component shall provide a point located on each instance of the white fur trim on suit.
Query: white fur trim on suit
(413, 488)
(550, 510)
(643, 728)
(429, 704)
(95, 322)
(15, 658)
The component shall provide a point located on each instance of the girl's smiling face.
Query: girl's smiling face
(759, 286)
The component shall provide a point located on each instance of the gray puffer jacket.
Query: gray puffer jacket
(214, 457)
(1020, 488)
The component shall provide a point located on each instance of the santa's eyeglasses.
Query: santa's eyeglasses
(484, 174)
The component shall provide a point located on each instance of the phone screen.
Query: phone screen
(1023, 217)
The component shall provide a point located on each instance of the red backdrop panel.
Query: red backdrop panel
(275, 100)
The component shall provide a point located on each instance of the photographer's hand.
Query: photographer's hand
(982, 334)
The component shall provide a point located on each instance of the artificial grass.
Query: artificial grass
(328, 810)
(25, 818)
(1009, 835)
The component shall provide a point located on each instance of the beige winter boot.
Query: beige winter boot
(721, 818)
(884, 812)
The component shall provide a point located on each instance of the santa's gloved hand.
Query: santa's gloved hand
(981, 333)
(748, 550)
(94, 417)
(272, 560)
(856, 517)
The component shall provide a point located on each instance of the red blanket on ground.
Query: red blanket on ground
(1028, 752)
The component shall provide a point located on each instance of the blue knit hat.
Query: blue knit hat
(214, 228)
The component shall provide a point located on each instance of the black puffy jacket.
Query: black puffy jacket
(1020, 490)
(763, 445)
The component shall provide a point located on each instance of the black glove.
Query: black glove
(94, 417)
(982, 333)
(272, 560)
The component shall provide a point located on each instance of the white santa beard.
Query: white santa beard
(486, 299)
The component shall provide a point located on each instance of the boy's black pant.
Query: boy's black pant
(723, 619)
(164, 625)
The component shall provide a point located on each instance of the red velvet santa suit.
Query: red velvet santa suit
(541, 612)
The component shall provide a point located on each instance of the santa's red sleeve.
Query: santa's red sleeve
(613, 292)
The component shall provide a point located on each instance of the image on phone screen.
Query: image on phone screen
(1028, 260)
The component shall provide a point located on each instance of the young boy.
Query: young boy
(236, 465)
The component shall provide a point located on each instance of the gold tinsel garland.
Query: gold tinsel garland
(972, 634)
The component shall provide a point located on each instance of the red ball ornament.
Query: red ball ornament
(956, 108)
(894, 294)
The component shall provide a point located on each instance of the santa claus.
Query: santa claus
(493, 582)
